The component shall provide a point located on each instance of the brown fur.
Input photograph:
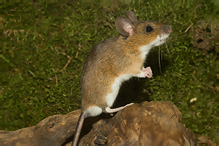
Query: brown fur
(116, 58)
(110, 59)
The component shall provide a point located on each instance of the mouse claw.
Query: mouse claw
(146, 72)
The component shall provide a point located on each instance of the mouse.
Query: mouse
(114, 61)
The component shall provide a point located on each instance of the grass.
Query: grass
(44, 46)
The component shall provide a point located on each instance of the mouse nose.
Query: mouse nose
(166, 29)
(170, 29)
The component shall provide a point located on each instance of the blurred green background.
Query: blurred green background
(43, 46)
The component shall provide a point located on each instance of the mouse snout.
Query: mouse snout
(166, 29)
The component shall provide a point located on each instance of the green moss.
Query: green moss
(44, 46)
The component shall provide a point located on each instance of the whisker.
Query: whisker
(159, 59)
(167, 48)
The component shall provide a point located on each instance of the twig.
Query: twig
(195, 10)
(183, 3)
(57, 83)
(188, 28)
(66, 64)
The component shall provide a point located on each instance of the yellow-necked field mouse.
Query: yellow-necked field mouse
(116, 60)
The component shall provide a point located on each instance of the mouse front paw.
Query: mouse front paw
(146, 72)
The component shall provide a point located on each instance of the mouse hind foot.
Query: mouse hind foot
(109, 110)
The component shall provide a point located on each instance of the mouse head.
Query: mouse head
(142, 33)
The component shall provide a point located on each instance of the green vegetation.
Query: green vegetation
(44, 45)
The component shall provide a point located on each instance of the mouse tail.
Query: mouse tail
(78, 129)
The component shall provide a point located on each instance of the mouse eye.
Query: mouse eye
(149, 29)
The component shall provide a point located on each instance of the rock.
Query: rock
(148, 123)
(52, 131)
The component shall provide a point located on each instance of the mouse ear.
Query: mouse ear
(124, 26)
(131, 16)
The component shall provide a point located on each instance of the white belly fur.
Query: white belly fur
(110, 98)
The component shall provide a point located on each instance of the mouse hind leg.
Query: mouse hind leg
(110, 110)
